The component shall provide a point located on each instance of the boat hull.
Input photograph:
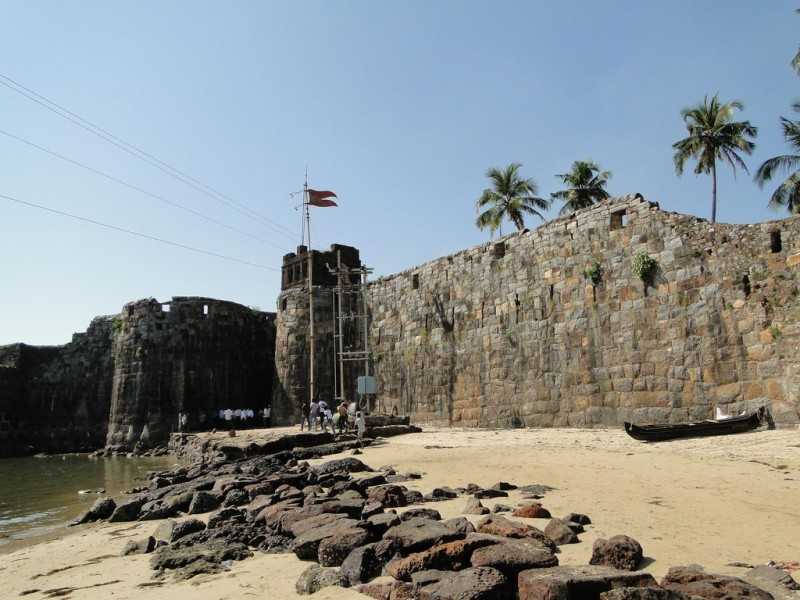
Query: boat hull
(658, 433)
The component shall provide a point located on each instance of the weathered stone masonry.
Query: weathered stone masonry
(512, 333)
(124, 381)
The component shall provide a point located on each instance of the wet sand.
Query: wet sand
(710, 501)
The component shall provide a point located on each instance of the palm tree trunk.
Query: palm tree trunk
(714, 192)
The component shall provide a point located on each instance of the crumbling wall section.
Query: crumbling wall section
(191, 355)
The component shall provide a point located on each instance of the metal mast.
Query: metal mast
(311, 377)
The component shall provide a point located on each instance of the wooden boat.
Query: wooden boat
(657, 433)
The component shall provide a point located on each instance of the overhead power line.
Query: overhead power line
(142, 155)
(136, 233)
(140, 190)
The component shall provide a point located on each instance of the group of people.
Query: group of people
(244, 417)
(346, 417)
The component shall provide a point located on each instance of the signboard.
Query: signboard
(367, 384)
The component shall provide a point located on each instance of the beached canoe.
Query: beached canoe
(657, 433)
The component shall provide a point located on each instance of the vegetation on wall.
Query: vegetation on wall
(644, 266)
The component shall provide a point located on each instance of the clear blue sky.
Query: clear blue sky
(399, 107)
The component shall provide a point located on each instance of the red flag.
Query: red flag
(320, 198)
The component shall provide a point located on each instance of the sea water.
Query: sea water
(40, 495)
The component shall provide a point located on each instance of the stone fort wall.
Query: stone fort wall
(124, 381)
(513, 333)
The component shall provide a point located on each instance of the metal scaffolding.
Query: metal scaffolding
(350, 326)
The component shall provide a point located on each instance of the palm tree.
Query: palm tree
(714, 135)
(788, 192)
(511, 197)
(586, 185)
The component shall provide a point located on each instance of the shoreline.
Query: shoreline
(712, 501)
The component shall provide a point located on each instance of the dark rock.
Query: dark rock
(382, 522)
(180, 502)
(346, 465)
(183, 528)
(450, 556)
(334, 549)
(369, 481)
(532, 511)
(361, 565)
(620, 552)
(475, 583)
(306, 545)
(577, 582)
(694, 581)
(502, 526)
(443, 493)
(102, 508)
(164, 531)
(370, 509)
(203, 502)
(145, 546)
(297, 527)
(771, 579)
(315, 577)
(490, 494)
(558, 531)
(423, 578)
(126, 511)
(226, 516)
(419, 534)
(236, 497)
(389, 495)
(189, 561)
(504, 486)
(511, 558)
(578, 518)
(642, 593)
(424, 513)
(536, 489)
(157, 509)
(414, 497)
(498, 508)
(474, 507)
(460, 524)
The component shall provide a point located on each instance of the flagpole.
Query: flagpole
(311, 377)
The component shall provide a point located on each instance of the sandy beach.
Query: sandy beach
(709, 501)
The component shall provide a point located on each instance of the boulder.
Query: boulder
(157, 509)
(370, 509)
(619, 551)
(388, 495)
(577, 582)
(450, 556)
(225, 516)
(301, 526)
(502, 526)
(315, 577)
(443, 493)
(535, 489)
(414, 497)
(164, 531)
(558, 531)
(533, 510)
(380, 523)
(180, 502)
(474, 507)
(578, 518)
(460, 524)
(423, 513)
(334, 549)
(236, 497)
(419, 534)
(306, 545)
(694, 581)
(188, 561)
(203, 502)
(475, 583)
(126, 511)
(504, 486)
(102, 508)
(511, 558)
(184, 528)
(342, 465)
(145, 546)
(498, 508)
(361, 565)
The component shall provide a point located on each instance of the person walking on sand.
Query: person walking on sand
(305, 416)
(313, 415)
(327, 419)
(342, 410)
(361, 426)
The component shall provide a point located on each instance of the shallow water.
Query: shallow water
(38, 496)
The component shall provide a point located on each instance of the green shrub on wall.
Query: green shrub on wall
(594, 273)
(644, 266)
